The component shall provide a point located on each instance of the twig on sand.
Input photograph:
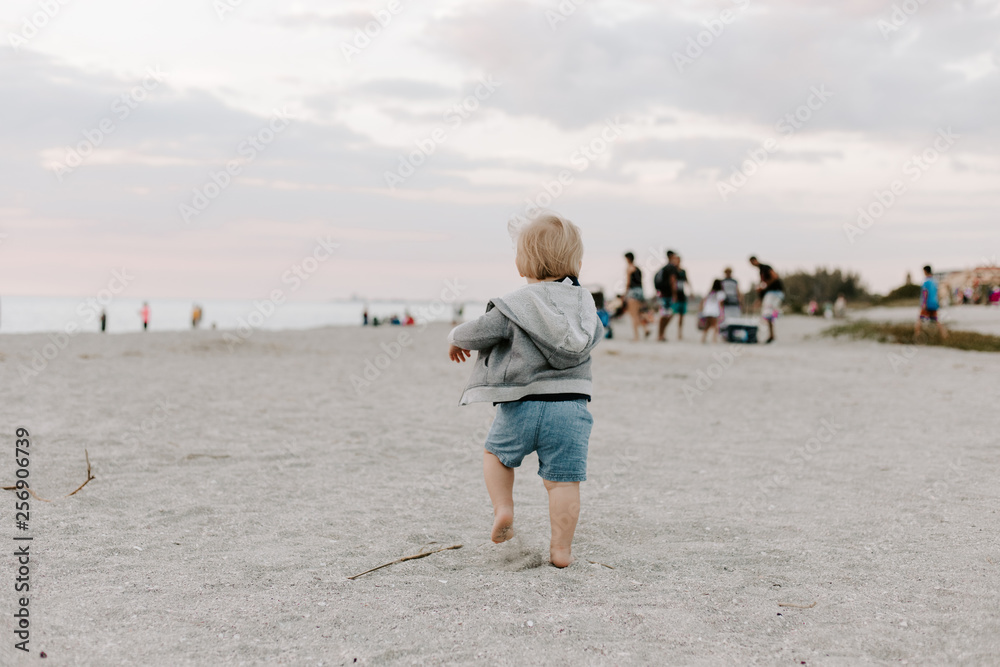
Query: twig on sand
(29, 490)
(423, 554)
(796, 606)
(90, 476)
(594, 562)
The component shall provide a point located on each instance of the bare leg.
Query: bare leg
(564, 511)
(633, 313)
(680, 326)
(661, 333)
(500, 484)
(944, 332)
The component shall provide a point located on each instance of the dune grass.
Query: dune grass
(902, 333)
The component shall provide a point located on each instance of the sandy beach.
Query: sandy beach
(807, 502)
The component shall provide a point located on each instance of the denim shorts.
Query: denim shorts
(558, 430)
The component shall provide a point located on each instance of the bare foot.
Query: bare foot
(561, 556)
(503, 525)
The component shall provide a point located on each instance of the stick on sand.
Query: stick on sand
(796, 606)
(405, 558)
(90, 476)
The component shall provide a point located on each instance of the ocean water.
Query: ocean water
(31, 314)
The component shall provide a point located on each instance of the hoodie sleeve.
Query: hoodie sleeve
(481, 333)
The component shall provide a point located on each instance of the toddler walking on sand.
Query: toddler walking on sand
(534, 364)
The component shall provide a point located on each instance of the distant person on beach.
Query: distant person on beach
(634, 296)
(680, 305)
(929, 303)
(195, 316)
(144, 312)
(731, 288)
(602, 314)
(665, 283)
(104, 321)
(537, 342)
(771, 293)
(456, 314)
(840, 307)
(711, 311)
(364, 318)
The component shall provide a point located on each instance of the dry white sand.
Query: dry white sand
(224, 531)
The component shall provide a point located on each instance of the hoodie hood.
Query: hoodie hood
(560, 318)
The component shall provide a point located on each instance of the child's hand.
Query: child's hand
(457, 354)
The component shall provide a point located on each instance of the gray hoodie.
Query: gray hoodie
(535, 340)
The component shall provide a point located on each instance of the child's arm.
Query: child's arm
(481, 333)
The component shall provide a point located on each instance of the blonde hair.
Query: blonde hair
(549, 247)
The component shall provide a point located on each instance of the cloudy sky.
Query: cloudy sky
(116, 114)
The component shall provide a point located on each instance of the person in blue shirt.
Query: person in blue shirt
(929, 303)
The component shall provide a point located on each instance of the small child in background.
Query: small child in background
(534, 364)
(711, 311)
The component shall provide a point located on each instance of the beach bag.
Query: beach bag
(658, 281)
(702, 323)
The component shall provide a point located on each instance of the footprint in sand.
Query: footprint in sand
(515, 556)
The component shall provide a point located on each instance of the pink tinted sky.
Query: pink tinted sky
(556, 84)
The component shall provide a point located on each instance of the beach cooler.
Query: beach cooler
(738, 329)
